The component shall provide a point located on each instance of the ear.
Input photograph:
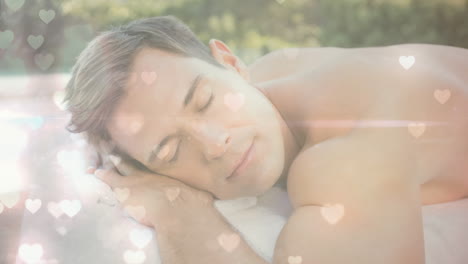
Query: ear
(224, 55)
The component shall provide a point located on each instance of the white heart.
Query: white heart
(141, 237)
(70, 208)
(35, 41)
(54, 209)
(332, 213)
(14, 4)
(33, 205)
(61, 230)
(134, 257)
(9, 199)
(44, 61)
(407, 61)
(6, 37)
(69, 159)
(46, 15)
(30, 253)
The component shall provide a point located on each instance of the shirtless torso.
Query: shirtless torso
(327, 100)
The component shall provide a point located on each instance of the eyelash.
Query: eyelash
(202, 110)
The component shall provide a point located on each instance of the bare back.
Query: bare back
(335, 91)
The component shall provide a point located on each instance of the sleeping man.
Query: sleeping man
(361, 138)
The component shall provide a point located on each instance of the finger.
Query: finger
(91, 170)
(92, 155)
(123, 166)
(96, 163)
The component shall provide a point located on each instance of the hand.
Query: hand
(152, 199)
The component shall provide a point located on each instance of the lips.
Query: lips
(242, 159)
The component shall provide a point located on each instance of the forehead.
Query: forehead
(156, 59)
(154, 92)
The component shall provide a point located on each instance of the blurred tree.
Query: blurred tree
(250, 28)
(36, 43)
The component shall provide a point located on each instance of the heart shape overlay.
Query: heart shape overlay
(416, 129)
(332, 213)
(442, 96)
(234, 101)
(229, 241)
(407, 61)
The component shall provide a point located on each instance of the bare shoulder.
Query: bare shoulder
(360, 165)
(289, 61)
(343, 189)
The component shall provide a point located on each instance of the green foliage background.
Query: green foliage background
(250, 27)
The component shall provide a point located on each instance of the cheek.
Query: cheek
(192, 173)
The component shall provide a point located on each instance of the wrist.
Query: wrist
(188, 221)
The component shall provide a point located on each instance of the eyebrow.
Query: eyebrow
(187, 100)
(191, 91)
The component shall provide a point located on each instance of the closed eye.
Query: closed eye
(202, 110)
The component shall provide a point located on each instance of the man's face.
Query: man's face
(208, 135)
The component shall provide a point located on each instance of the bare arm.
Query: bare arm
(380, 218)
(204, 238)
(197, 235)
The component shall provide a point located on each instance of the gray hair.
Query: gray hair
(102, 70)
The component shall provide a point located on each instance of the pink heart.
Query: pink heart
(130, 123)
(229, 242)
(172, 193)
(442, 95)
(294, 259)
(70, 208)
(332, 213)
(234, 101)
(149, 77)
(417, 129)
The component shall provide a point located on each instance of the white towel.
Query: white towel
(102, 233)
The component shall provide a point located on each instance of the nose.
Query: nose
(213, 139)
